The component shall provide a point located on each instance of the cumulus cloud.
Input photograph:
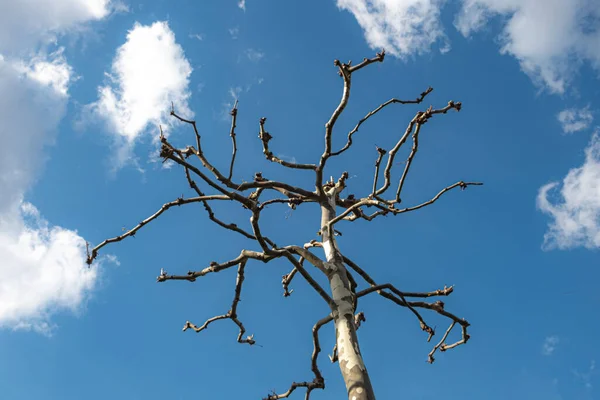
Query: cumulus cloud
(574, 120)
(149, 72)
(42, 269)
(24, 24)
(402, 28)
(576, 212)
(549, 38)
(549, 345)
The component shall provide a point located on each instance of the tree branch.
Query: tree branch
(420, 118)
(345, 70)
(180, 201)
(388, 208)
(318, 382)
(231, 314)
(265, 137)
(438, 307)
(168, 150)
(375, 111)
(233, 114)
(216, 267)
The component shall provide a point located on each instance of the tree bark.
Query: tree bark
(354, 372)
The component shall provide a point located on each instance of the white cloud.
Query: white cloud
(254, 55)
(42, 269)
(149, 73)
(197, 36)
(233, 32)
(576, 215)
(574, 120)
(25, 24)
(549, 345)
(402, 28)
(549, 38)
(242, 4)
(52, 70)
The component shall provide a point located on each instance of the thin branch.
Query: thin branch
(421, 118)
(345, 70)
(180, 201)
(287, 279)
(409, 160)
(212, 217)
(375, 111)
(430, 358)
(216, 267)
(380, 153)
(401, 300)
(366, 61)
(265, 137)
(233, 114)
(315, 285)
(437, 306)
(318, 382)
(292, 202)
(231, 314)
(168, 150)
(390, 209)
(463, 185)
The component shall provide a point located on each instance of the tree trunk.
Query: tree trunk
(350, 360)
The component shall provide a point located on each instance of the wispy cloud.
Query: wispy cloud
(233, 32)
(549, 345)
(586, 377)
(254, 55)
(242, 4)
(197, 36)
(574, 120)
(576, 213)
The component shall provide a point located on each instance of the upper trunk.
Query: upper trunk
(350, 359)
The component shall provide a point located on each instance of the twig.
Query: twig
(345, 70)
(231, 314)
(318, 382)
(375, 111)
(180, 201)
(421, 118)
(233, 114)
(265, 137)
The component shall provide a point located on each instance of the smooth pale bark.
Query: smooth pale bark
(350, 359)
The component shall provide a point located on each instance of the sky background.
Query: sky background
(85, 85)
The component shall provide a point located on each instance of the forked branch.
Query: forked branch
(318, 382)
(231, 314)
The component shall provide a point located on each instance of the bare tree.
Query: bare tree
(341, 272)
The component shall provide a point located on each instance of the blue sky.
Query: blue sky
(85, 85)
